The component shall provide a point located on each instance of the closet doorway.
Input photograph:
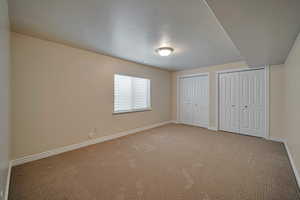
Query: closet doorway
(242, 102)
(194, 100)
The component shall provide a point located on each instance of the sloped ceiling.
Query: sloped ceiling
(263, 30)
(202, 32)
(130, 29)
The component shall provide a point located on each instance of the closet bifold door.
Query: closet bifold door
(194, 100)
(229, 102)
(186, 100)
(252, 102)
(200, 101)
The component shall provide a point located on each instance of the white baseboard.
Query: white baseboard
(212, 128)
(53, 152)
(290, 157)
(277, 140)
(7, 181)
(292, 163)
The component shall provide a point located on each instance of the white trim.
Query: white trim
(292, 163)
(276, 140)
(267, 91)
(7, 181)
(193, 75)
(60, 150)
(290, 158)
(178, 99)
(132, 111)
(217, 101)
(178, 94)
(212, 128)
(267, 102)
(208, 94)
(239, 69)
(114, 136)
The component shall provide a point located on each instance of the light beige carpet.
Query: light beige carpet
(173, 162)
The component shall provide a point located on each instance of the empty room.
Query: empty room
(149, 100)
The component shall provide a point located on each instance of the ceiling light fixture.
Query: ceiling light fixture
(164, 51)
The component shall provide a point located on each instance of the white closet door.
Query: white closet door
(194, 101)
(200, 101)
(186, 100)
(229, 102)
(252, 102)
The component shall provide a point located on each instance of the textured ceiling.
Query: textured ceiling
(263, 30)
(130, 29)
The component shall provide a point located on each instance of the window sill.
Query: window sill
(131, 111)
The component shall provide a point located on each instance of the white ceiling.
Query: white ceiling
(130, 29)
(263, 30)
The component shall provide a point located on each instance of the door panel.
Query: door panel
(229, 102)
(242, 102)
(194, 101)
(252, 102)
(200, 101)
(186, 97)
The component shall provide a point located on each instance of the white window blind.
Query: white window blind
(131, 94)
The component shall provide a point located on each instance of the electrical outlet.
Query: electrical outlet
(92, 134)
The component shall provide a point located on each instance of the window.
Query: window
(131, 94)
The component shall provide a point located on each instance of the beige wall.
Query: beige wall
(275, 93)
(291, 114)
(60, 94)
(4, 95)
(276, 102)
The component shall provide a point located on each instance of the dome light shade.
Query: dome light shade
(165, 51)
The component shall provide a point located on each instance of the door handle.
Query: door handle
(232, 105)
(244, 107)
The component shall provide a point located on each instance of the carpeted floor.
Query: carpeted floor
(172, 162)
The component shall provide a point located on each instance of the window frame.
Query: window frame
(149, 108)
